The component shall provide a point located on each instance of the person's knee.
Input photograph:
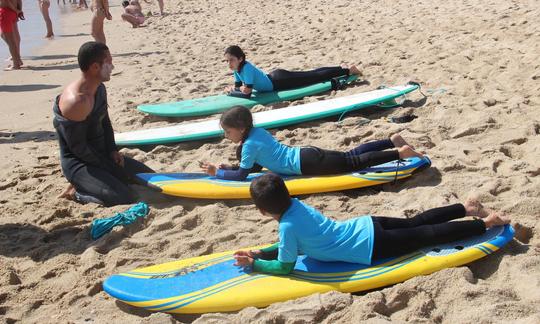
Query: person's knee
(122, 196)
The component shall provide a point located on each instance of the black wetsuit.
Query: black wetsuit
(284, 79)
(85, 156)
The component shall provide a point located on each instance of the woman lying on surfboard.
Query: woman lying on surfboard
(248, 77)
(358, 240)
(259, 149)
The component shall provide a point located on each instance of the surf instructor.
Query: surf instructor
(248, 77)
(90, 160)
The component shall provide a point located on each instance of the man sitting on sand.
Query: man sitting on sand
(89, 158)
(133, 13)
(9, 12)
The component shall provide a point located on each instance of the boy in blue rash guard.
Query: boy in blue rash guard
(247, 77)
(304, 230)
(258, 148)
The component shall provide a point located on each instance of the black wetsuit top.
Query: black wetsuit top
(87, 142)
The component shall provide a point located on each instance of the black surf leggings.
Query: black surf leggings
(399, 236)
(316, 161)
(283, 79)
(99, 186)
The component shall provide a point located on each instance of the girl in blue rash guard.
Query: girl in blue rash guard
(248, 77)
(258, 148)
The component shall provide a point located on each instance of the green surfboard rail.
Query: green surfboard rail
(271, 124)
(215, 104)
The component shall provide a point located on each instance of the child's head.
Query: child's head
(125, 3)
(270, 194)
(235, 57)
(236, 123)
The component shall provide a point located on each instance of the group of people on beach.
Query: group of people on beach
(98, 173)
(11, 11)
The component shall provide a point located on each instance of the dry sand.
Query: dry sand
(479, 125)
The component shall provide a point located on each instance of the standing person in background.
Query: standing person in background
(100, 8)
(160, 3)
(9, 13)
(44, 6)
(82, 4)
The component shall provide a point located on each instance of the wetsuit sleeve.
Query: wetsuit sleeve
(269, 253)
(273, 267)
(248, 75)
(236, 175)
(74, 134)
(237, 80)
(249, 155)
(110, 143)
(288, 246)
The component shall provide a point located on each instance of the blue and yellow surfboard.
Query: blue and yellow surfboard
(200, 185)
(213, 284)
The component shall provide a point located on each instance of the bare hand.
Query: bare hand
(245, 89)
(108, 15)
(252, 254)
(208, 168)
(117, 158)
(228, 89)
(243, 261)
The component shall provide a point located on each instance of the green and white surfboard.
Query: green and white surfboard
(190, 131)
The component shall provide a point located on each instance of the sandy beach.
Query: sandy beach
(478, 63)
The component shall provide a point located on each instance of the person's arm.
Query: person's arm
(236, 175)
(237, 82)
(273, 267)
(110, 142)
(74, 134)
(248, 78)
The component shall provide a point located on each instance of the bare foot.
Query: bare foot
(68, 194)
(398, 141)
(13, 67)
(406, 152)
(496, 219)
(474, 208)
(354, 70)
(51, 36)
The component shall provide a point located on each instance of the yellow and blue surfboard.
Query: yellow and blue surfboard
(200, 185)
(213, 284)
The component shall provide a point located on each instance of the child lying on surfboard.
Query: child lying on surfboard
(259, 149)
(358, 240)
(248, 77)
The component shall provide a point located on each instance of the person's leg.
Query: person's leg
(396, 242)
(316, 161)
(160, 3)
(429, 217)
(134, 21)
(17, 35)
(133, 167)
(100, 185)
(10, 40)
(372, 146)
(283, 79)
(97, 26)
(44, 8)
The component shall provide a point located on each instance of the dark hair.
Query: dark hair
(125, 3)
(237, 117)
(90, 53)
(237, 52)
(270, 193)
